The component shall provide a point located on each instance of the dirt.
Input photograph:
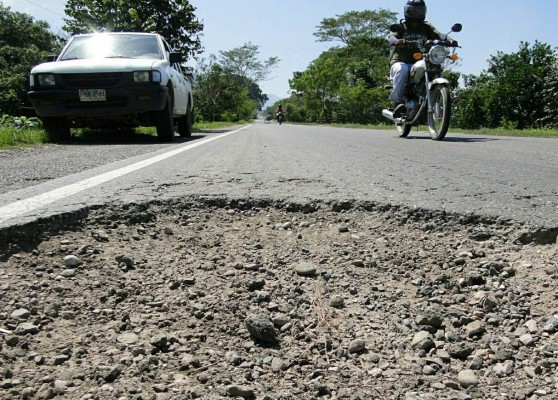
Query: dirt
(263, 301)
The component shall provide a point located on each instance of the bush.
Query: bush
(18, 131)
(229, 116)
(8, 121)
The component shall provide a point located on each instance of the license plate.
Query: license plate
(92, 95)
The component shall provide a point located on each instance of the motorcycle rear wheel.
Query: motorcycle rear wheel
(439, 119)
(403, 130)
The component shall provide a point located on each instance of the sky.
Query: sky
(285, 29)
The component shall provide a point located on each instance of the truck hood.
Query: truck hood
(98, 65)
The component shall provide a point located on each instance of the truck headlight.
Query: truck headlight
(46, 79)
(147, 76)
(141, 76)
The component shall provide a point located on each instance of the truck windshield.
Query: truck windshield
(106, 45)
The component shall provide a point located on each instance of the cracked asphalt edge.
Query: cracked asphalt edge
(26, 236)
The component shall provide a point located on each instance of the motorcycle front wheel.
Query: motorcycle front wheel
(439, 118)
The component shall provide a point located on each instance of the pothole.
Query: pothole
(160, 301)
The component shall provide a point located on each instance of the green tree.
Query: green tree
(174, 19)
(346, 84)
(222, 95)
(244, 62)
(514, 91)
(211, 88)
(355, 24)
(228, 86)
(294, 107)
(471, 104)
(550, 95)
(24, 43)
(517, 77)
(319, 85)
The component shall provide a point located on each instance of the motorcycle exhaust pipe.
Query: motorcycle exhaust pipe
(388, 114)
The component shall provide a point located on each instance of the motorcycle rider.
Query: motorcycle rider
(279, 111)
(413, 28)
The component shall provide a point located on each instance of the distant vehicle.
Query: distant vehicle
(106, 80)
(281, 117)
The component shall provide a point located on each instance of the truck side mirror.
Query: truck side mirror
(175, 57)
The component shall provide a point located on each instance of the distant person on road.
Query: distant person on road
(280, 113)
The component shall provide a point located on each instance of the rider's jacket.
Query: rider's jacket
(423, 32)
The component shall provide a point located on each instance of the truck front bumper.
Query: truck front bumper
(119, 101)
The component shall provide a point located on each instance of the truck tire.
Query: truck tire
(57, 129)
(186, 123)
(165, 125)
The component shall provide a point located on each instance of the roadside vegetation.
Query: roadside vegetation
(21, 131)
(345, 85)
(29, 132)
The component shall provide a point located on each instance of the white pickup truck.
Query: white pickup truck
(107, 80)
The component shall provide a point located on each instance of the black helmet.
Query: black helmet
(415, 10)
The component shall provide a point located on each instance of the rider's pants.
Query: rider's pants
(399, 73)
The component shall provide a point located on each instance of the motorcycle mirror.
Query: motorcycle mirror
(456, 28)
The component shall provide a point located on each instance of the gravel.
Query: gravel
(256, 301)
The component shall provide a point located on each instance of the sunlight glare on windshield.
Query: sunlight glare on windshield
(100, 45)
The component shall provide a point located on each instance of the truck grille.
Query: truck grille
(92, 81)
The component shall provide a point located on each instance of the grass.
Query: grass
(217, 125)
(540, 133)
(32, 136)
(29, 136)
(10, 137)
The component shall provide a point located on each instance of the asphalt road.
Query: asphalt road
(514, 178)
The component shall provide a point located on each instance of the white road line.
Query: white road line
(23, 207)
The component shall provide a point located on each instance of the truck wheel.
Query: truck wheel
(165, 126)
(185, 123)
(57, 129)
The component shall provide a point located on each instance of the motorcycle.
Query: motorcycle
(280, 117)
(427, 94)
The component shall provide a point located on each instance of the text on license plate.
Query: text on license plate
(92, 95)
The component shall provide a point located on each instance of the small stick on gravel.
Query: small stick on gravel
(324, 313)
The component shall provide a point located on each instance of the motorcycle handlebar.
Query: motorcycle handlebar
(429, 43)
(445, 43)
